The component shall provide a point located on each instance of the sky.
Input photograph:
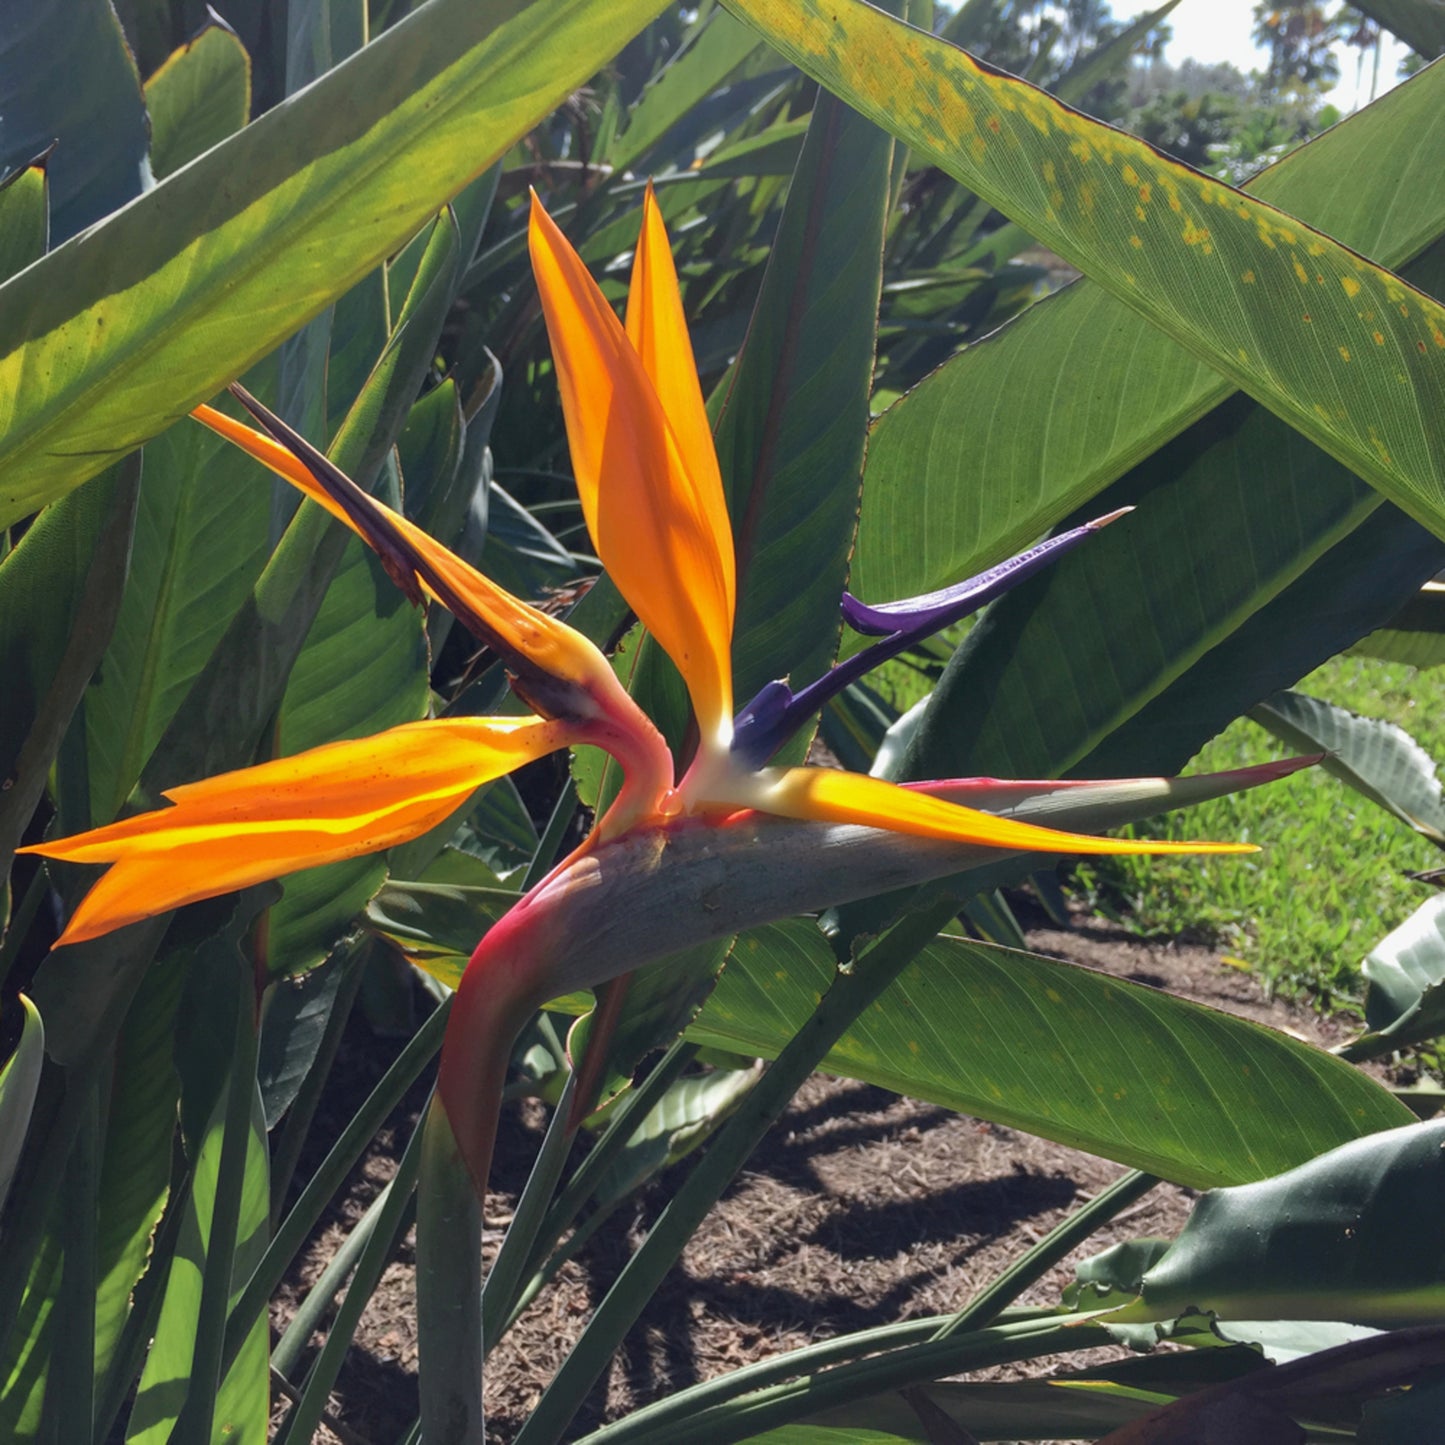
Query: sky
(1219, 30)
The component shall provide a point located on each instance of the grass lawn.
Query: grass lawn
(1328, 883)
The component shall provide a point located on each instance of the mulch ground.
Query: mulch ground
(859, 1209)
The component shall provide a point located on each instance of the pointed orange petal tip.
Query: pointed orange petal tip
(642, 455)
(337, 801)
(828, 795)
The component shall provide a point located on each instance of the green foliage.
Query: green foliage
(1302, 918)
(169, 617)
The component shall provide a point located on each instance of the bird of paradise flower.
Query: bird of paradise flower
(653, 502)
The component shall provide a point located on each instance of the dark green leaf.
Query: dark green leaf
(61, 588)
(19, 1078)
(970, 466)
(1322, 1241)
(1116, 1068)
(68, 78)
(1338, 347)
(24, 219)
(198, 97)
(1415, 634)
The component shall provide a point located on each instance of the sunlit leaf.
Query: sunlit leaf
(288, 214)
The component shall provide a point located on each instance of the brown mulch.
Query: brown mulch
(860, 1208)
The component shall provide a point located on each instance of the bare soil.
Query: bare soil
(859, 1209)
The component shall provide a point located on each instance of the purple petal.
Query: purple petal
(918, 616)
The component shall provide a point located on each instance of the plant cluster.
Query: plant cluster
(355, 540)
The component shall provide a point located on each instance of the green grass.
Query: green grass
(1328, 883)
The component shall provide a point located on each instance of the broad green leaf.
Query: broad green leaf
(201, 539)
(185, 289)
(1018, 1410)
(298, 1012)
(223, 717)
(1404, 984)
(1415, 635)
(24, 219)
(19, 1078)
(1419, 23)
(1322, 1241)
(60, 589)
(972, 464)
(242, 1398)
(1356, 585)
(198, 97)
(68, 78)
(1080, 663)
(791, 434)
(1118, 1069)
(1336, 346)
(685, 1116)
(27, 1356)
(136, 1166)
(1377, 759)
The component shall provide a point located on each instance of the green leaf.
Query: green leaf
(721, 47)
(1322, 1241)
(437, 925)
(971, 465)
(22, 1388)
(1415, 635)
(1336, 346)
(1118, 1069)
(1356, 585)
(201, 539)
(1404, 984)
(136, 1166)
(1130, 653)
(241, 1400)
(221, 722)
(24, 218)
(68, 78)
(685, 1116)
(19, 1079)
(200, 95)
(1419, 23)
(1019, 1410)
(793, 425)
(60, 589)
(102, 348)
(1378, 759)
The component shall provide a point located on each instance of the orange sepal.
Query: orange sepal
(827, 795)
(333, 802)
(554, 647)
(647, 481)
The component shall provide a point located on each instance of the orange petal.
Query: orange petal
(657, 330)
(828, 795)
(333, 802)
(551, 645)
(660, 530)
